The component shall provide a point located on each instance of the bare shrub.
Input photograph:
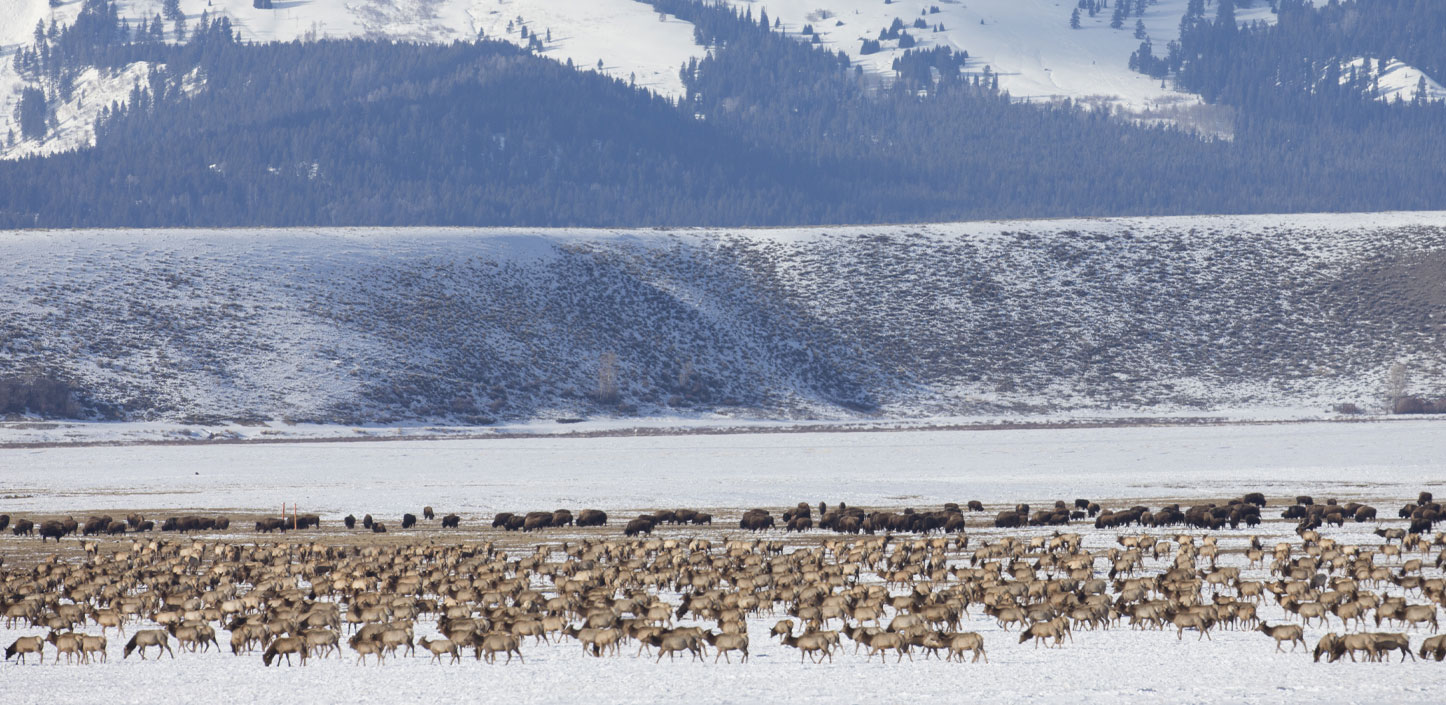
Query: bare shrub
(607, 378)
(38, 394)
(1398, 377)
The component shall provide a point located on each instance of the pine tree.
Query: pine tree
(32, 113)
(171, 9)
(1117, 20)
(1140, 29)
(1074, 19)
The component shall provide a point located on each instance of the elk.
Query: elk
(146, 638)
(284, 647)
(1284, 632)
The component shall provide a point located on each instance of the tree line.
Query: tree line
(774, 129)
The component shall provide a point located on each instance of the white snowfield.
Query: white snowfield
(1382, 463)
(478, 478)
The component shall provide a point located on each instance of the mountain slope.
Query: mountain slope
(904, 321)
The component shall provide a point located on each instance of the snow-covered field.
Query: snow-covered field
(477, 478)
(1383, 463)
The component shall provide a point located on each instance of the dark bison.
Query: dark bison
(265, 526)
(1010, 520)
(562, 517)
(500, 521)
(640, 525)
(756, 520)
(592, 517)
(53, 530)
(349, 521)
(536, 520)
(379, 528)
(451, 521)
(428, 514)
(367, 521)
(94, 525)
(23, 527)
(409, 521)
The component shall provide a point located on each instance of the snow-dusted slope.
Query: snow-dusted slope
(1028, 43)
(630, 39)
(900, 321)
(1394, 81)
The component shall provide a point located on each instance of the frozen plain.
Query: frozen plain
(1371, 461)
(1380, 462)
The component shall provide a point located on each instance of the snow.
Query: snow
(205, 327)
(626, 35)
(478, 477)
(1398, 81)
(1375, 462)
(629, 37)
(1027, 43)
(95, 89)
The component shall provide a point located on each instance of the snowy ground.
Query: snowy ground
(45, 432)
(477, 478)
(1378, 462)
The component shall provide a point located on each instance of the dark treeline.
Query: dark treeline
(773, 130)
(1299, 67)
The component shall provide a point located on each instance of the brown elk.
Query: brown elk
(1282, 633)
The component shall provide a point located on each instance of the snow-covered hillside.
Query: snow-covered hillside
(468, 326)
(631, 40)
(1392, 80)
(1027, 43)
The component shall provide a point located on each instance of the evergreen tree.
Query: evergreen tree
(32, 113)
(171, 9)
(1117, 20)
(1140, 29)
(1074, 19)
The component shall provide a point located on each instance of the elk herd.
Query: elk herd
(900, 585)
